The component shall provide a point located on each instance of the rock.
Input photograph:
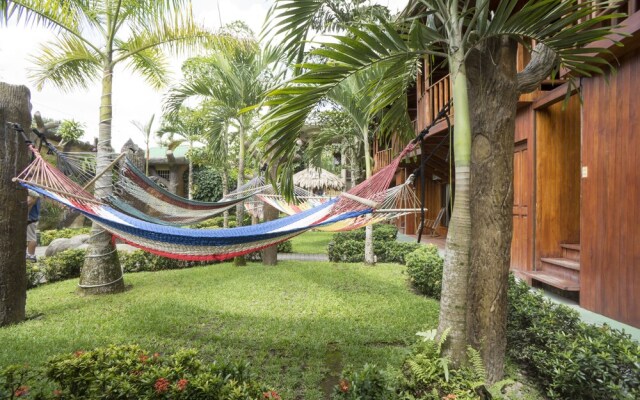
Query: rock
(60, 245)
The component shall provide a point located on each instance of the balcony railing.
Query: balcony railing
(432, 100)
(616, 6)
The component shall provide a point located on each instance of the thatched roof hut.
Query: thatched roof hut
(318, 180)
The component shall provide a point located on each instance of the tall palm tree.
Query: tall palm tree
(455, 31)
(93, 37)
(187, 127)
(235, 80)
(146, 130)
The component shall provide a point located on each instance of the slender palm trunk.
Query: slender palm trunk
(225, 175)
(240, 261)
(369, 257)
(190, 180)
(453, 304)
(146, 167)
(101, 272)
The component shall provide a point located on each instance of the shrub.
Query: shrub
(129, 372)
(46, 237)
(51, 214)
(141, 261)
(34, 274)
(64, 265)
(424, 267)
(570, 359)
(369, 383)
(381, 233)
(348, 248)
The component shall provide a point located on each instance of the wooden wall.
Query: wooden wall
(522, 242)
(433, 201)
(557, 178)
(610, 223)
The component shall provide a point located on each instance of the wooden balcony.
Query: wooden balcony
(432, 100)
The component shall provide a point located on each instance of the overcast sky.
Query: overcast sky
(133, 99)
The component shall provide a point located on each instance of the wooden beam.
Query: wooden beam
(554, 96)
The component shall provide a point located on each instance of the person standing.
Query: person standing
(33, 204)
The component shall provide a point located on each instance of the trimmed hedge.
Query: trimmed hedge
(46, 237)
(349, 246)
(129, 372)
(570, 359)
(424, 267)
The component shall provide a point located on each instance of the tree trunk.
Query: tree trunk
(270, 254)
(453, 303)
(240, 261)
(493, 98)
(190, 180)
(369, 257)
(15, 107)
(101, 272)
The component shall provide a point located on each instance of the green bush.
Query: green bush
(129, 372)
(51, 214)
(34, 274)
(141, 261)
(426, 374)
(46, 237)
(349, 246)
(570, 359)
(64, 265)
(349, 250)
(424, 267)
(369, 383)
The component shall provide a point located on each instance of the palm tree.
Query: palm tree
(457, 32)
(234, 81)
(145, 129)
(93, 37)
(187, 127)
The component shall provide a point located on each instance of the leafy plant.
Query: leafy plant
(46, 237)
(424, 267)
(130, 372)
(64, 265)
(368, 383)
(141, 261)
(570, 359)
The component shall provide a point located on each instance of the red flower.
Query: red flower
(156, 355)
(450, 396)
(344, 385)
(272, 394)
(21, 391)
(143, 358)
(78, 353)
(57, 393)
(161, 385)
(182, 384)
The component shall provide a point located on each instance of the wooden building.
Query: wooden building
(576, 212)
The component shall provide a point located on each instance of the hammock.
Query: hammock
(205, 245)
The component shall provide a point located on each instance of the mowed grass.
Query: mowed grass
(297, 323)
(312, 242)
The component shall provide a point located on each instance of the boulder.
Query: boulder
(60, 245)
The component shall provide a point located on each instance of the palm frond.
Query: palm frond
(152, 66)
(66, 63)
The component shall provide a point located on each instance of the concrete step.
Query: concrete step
(554, 280)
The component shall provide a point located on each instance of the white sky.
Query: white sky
(133, 99)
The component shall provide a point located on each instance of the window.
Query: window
(163, 173)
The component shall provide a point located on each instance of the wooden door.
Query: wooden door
(520, 244)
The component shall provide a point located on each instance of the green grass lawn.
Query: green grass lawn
(312, 242)
(297, 323)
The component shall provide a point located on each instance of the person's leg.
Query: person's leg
(32, 240)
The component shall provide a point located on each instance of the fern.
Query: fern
(477, 366)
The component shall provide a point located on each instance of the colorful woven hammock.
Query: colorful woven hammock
(203, 245)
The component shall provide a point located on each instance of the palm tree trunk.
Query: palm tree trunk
(369, 257)
(190, 179)
(146, 168)
(453, 304)
(225, 175)
(101, 272)
(240, 261)
(14, 107)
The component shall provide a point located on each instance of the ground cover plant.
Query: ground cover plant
(298, 324)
